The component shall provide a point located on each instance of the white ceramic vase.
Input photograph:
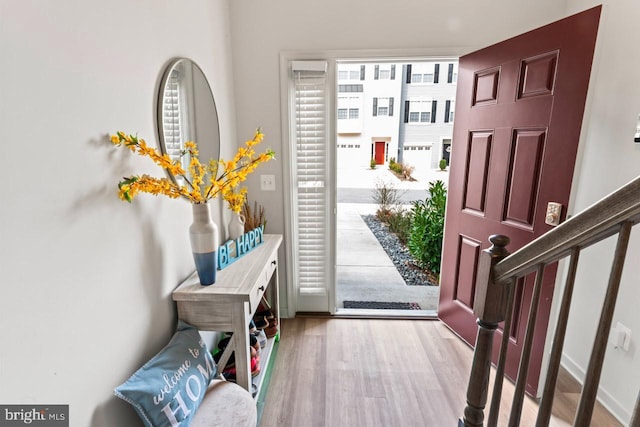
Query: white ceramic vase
(235, 228)
(204, 237)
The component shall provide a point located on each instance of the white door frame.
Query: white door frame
(399, 55)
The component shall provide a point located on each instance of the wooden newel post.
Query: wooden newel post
(490, 307)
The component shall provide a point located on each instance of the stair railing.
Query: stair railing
(498, 274)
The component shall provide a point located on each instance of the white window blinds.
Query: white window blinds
(311, 193)
(171, 116)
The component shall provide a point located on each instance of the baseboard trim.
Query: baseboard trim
(604, 397)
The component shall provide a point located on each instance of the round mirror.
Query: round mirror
(187, 112)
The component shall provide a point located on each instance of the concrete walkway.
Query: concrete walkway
(364, 270)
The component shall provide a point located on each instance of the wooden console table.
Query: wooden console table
(229, 304)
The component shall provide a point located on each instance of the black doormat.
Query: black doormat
(375, 305)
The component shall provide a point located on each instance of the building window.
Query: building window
(417, 148)
(348, 113)
(420, 111)
(351, 72)
(423, 73)
(420, 117)
(449, 110)
(422, 78)
(452, 74)
(383, 107)
(384, 72)
(350, 88)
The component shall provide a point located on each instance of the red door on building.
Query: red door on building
(519, 110)
(379, 152)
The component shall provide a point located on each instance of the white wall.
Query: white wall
(262, 30)
(86, 279)
(609, 159)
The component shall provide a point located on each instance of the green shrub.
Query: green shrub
(443, 164)
(394, 166)
(372, 163)
(427, 227)
(400, 169)
(400, 223)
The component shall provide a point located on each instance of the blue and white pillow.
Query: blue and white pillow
(168, 389)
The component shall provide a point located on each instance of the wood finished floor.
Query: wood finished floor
(333, 372)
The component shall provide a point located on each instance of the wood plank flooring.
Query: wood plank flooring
(333, 372)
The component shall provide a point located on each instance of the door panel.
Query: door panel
(537, 75)
(485, 87)
(380, 146)
(524, 172)
(467, 268)
(519, 110)
(478, 153)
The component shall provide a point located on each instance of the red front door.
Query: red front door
(380, 146)
(519, 110)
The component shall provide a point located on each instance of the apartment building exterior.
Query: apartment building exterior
(368, 115)
(396, 110)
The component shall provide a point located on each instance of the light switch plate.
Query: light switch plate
(268, 182)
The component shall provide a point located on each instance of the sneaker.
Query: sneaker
(262, 338)
(272, 330)
(261, 322)
(253, 341)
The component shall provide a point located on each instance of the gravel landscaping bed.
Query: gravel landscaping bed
(398, 252)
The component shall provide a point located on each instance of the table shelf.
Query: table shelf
(229, 304)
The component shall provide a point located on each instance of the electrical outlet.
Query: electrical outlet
(621, 337)
(268, 182)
